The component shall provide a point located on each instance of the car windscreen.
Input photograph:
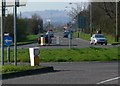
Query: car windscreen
(99, 36)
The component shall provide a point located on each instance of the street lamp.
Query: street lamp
(48, 20)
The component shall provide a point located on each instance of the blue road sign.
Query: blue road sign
(8, 40)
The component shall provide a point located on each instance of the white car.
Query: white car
(98, 39)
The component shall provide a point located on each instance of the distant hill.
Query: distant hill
(56, 16)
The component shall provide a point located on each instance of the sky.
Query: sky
(39, 5)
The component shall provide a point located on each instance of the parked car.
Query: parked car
(66, 33)
(98, 39)
(48, 39)
(50, 33)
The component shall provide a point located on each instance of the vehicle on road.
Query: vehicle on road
(98, 39)
(50, 33)
(48, 39)
(67, 32)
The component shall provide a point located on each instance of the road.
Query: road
(64, 43)
(73, 73)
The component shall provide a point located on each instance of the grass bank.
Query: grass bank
(69, 55)
(28, 40)
(20, 68)
(85, 36)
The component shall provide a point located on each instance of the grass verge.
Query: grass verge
(29, 40)
(77, 55)
(85, 36)
(12, 69)
(69, 55)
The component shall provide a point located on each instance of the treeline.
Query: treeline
(103, 16)
(25, 26)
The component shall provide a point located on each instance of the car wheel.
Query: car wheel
(91, 43)
(105, 43)
(101, 43)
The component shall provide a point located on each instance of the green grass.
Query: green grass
(29, 39)
(85, 36)
(76, 55)
(32, 37)
(110, 38)
(62, 55)
(69, 55)
(12, 68)
(82, 35)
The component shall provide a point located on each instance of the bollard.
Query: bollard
(42, 41)
(34, 56)
(58, 40)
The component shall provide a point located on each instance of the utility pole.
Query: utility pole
(2, 30)
(91, 30)
(48, 31)
(77, 21)
(15, 27)
(116, 37)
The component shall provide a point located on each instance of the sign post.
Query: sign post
(70, 39)
(2, 30)
(8, 41)
(15, 4)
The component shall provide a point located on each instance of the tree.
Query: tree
(21, 29)
(107, 17)
(9, 24)
(34, 22)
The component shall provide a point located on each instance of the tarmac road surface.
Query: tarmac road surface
(64, 43)
(73, 73)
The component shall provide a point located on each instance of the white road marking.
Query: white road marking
(108, 80)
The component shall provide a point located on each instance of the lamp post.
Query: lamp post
(15, 26)
(48, 20)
